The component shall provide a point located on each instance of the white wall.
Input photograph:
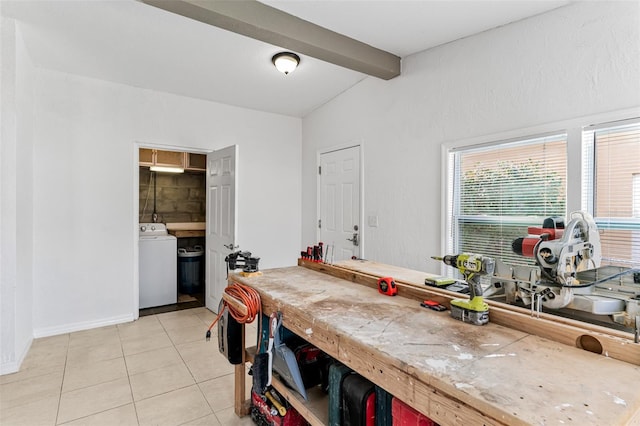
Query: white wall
(85, 238)
(67, 216)
(24, 200)
(579, 60)
(16, 200)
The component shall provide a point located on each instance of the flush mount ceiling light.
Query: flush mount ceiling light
(285, 62)
(163, 169)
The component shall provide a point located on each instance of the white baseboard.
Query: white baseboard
(79, 326)
(14, 366)
(9, 367)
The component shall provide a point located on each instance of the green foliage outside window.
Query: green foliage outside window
(512, 189)
(503, 191)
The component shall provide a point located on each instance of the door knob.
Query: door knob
(354, 240)
(231, 246)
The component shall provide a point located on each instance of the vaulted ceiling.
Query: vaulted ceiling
(137, 44)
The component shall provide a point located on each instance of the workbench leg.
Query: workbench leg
(241, 406)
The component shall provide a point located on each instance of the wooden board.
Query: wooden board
(187, 234)
(315, 410)
(186, 229)
(610, 343)
(186, 226)
(453, 372)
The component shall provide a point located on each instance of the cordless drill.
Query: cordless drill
(472, 266)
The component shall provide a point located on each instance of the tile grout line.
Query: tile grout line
(109, 381)
(64, 372)
(191, 373)
(126, 368)
(189, 370)
(93, 414)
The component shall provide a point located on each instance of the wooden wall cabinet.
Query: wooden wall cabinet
(196, 161)
(186, 160)
(146, 156)
(169, 158)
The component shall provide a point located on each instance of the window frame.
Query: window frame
(574, 129)
(589, 167)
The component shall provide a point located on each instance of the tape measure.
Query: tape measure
(387, 285)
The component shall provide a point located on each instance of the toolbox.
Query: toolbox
(337, 372)
(358, 401)
(353, 399)
(384, 416)
(403, 415)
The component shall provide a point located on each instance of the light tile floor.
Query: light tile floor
(158, 370)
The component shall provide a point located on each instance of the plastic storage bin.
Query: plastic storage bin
(190, 269)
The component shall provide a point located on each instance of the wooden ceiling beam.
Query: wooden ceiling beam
(270, 25)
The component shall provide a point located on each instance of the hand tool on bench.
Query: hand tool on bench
(472, 266)
(386, 285)
(432, 304)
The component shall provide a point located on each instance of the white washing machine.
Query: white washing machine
(158, 263)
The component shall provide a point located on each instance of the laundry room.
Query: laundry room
(172, 208)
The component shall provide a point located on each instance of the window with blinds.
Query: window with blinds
(611, 188)
(497, 191)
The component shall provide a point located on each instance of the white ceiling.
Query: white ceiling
(128, 42)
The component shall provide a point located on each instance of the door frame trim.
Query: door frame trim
(135, 300)
(350, 144)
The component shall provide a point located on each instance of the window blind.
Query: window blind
(611, 189)
(501, 189)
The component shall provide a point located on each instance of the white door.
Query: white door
(339, 223)
(221, 220)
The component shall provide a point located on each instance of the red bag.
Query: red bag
(263, 414)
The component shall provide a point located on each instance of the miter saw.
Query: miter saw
(568, 273)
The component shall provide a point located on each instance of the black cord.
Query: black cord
(600, 281)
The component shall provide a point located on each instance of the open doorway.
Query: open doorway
(172, 222)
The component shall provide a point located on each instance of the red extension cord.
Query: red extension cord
(249, 298)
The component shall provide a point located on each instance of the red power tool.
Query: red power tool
(552, 229)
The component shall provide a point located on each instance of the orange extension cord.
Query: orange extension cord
(249, 298)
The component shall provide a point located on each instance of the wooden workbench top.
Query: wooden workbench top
(453, 372)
